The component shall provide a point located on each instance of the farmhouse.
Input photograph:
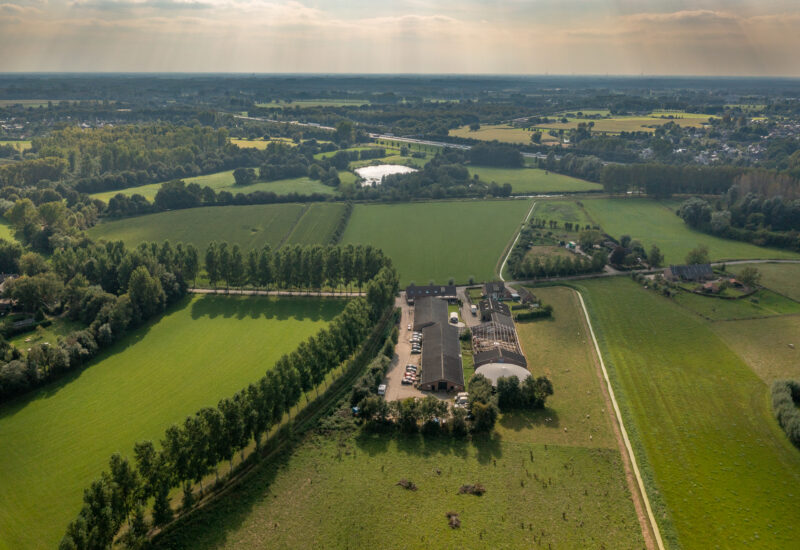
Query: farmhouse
(441, 359)
(429, 311)
(694, 272)
(446, 292)
(495, 290)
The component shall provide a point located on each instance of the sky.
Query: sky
(618, 37)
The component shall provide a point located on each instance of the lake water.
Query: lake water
(373, 175)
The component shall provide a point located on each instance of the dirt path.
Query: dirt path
(650, 531)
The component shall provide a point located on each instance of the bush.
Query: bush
(785, 401)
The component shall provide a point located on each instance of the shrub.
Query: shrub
(478, 489)
(785, 401)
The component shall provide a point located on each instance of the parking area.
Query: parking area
(395, 389)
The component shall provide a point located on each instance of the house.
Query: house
(495, 290)
(446, 292)
(693, 272)
(429, 311)
(441, 359)
(493, 310)
(527, 297)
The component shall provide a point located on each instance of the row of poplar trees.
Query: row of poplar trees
(192, 450)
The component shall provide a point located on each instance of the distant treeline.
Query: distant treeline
(663, 180)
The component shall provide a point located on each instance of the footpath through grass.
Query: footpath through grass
(60, 438)
(438, 240)
(655, 222)
(700, 422)
(250, 226)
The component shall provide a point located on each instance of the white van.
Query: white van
(382, 389)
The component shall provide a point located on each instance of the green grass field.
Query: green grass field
(260, 143)
(59, 439)
(765, 345)
(700, 421)
(250, 226)
(561, 211)
(317, 224)
(533, 180)
(763, 303)
(439, 240)
(60, 327)
(6, 231)
(655, 222)
(223, 181)
(19, 145)
(782, 278)
(338, 490)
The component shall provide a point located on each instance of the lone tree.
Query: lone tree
(655, 257)
(698, 255)
(244, 176)
(750, 276)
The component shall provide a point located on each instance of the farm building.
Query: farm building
(441, 359)
(429, 311)
(446, 292)
(499, 355)
(495, 371)
(493, 310)
(495, 290)
(694, 272)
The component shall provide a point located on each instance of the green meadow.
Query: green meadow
(719, 470)
(317, 223)
(782, 278)
(545, 486)
(533, 180)
(439, 240)
(58, 439)
(250, 226)
(655, 222)
(223, 181)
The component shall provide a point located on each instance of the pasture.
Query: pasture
(250, 226)
(438, 240)
(782, 278)
(765, 344)
(58, 439)
(763, 303)
(317, 224)
(260, 143)
(655, 222)
(713, 458)
(19, 145)
(646, 123)
(223, 181)
(533, 180)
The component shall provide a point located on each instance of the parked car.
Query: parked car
(416, 351)
(409, 326)
(411, 368)
(406, 381)
(382, 389)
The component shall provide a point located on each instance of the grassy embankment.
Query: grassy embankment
(545, 488)
(58, 439)
(438, 240)
(700, 420)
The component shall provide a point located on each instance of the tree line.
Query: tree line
(664, 180)
(297, 267)
(192, 450)
(108, 288)
(785, 402)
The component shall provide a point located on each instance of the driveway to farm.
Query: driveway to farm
(466, 315)
(395, 389)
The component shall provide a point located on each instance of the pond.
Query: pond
(372, 175)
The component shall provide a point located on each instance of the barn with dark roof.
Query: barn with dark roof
(441, 359)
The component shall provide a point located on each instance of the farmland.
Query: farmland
(57, 440)
(223, 181)
(782, 278)
(504, 133)
(617, 124)
(655, 222)
(249, 226)
(765, 345)
(763, 303)
(19, 145)
(438, 240)
(317, 224)
(533, 180)
(260, 144)
(533, 471)
(700, 422)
